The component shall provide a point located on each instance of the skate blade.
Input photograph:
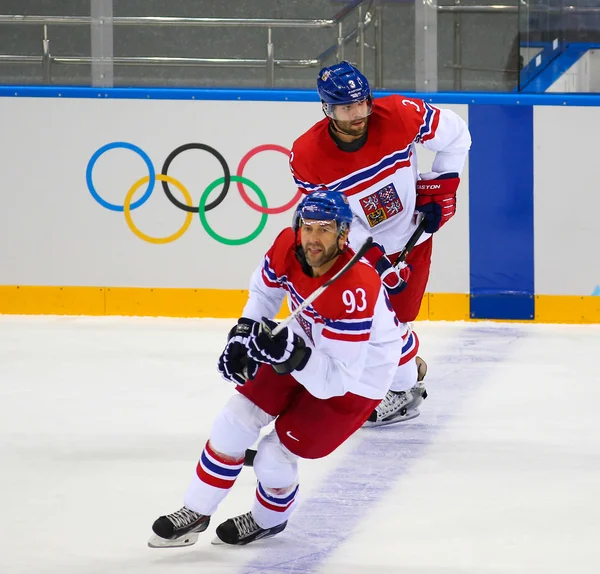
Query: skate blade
(186, 540)
(216, 541)
(395, 420)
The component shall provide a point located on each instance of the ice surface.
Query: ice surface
(102, 421)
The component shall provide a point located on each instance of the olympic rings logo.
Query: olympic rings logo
(204, 205)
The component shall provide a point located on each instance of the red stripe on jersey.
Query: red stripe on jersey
(380, 176)
(321, 187)
(351, 337)
(434, 125)
(268, 282)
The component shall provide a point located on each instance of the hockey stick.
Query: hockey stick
(412, 241)
(250, 452)
(357, 257)
(318, 292)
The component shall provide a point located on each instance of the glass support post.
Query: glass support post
(426, 57)
(101, 12)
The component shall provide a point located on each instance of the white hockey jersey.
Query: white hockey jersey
(355, 338)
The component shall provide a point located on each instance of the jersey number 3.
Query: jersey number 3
(355, 301)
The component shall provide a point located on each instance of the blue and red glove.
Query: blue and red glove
(394, 279)
(436, 199)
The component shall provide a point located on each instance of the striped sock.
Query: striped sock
(212, 481)
(271, 509)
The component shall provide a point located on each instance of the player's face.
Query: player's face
(352, 118)
(319, 241)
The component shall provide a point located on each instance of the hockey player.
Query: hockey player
(318, 379)
(365, 148)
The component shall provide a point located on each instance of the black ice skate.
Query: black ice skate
(400, 406)
(243, 530)
(178, 529)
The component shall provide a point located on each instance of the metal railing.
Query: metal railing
(521, 5)
(368, 13)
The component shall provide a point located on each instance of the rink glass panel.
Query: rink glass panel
(425, 46)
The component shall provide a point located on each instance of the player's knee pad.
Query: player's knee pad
(237, 426)
(275, 466)
(405, 377)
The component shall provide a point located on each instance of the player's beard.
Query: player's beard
(320, 259)
(352, 130)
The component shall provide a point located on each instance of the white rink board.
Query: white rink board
(567, 200)
(60, 235)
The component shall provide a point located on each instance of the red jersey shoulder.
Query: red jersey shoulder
(281, 252)
(306, 148)
(352, 296)
(308, 139)
(412, 114)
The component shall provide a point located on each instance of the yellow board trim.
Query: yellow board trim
(223, 303)
(33, 300)
(175, 302)
(567, 309)
(448, 306)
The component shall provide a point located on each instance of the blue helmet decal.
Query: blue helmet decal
(342, 84)
(325, 206)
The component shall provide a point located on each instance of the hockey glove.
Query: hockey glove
(436, 199)
(393, 278)
(286, 351)
(234, 364)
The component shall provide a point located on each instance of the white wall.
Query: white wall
(566, 200)
(450, 259)
(53, 232)
(59, 235)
